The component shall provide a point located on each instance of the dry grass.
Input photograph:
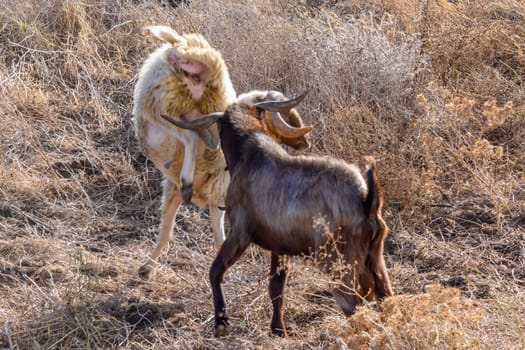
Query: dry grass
(433, 89)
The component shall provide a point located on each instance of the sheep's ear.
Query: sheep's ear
(210, 139)
(165, 33)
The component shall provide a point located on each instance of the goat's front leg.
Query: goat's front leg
(170, 203)
(230, 251)
(280, 266)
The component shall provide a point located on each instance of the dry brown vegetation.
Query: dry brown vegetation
(433, 89)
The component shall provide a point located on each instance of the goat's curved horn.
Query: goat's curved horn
(281, 106)
(280, 126)
(197, 124)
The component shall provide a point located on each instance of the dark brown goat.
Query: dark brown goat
(277, 201)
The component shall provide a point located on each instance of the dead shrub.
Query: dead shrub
(439, 318)
(432, 89)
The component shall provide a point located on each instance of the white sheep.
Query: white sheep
(187, 78)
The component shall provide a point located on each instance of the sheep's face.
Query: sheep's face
(192, 69)
(191, 58)
(193, 72)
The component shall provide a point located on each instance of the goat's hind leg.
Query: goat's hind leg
(230, 251)
(171, 201)
(279, 269)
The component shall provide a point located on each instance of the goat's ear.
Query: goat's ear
(375, 198)
(210, 139)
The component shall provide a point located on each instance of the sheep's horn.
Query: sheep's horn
(197, 124)
(275, 122)
(281, 106)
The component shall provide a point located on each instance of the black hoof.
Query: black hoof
(145, 272)
(221, 323)
(220, 331)
(279, 332)
(186, 190)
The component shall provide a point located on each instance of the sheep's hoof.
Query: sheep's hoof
(220, 330)
(186, 190)
(145, 272)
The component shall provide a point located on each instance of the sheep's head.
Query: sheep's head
(265, 116)
(191, 58)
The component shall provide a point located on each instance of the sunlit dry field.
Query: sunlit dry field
(433, 89)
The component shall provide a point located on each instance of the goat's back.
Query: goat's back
(287, 197)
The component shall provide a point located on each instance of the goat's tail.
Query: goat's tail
(374, 199)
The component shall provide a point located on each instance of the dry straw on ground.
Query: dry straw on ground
(432, 88)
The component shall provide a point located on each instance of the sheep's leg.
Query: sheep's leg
(188, 167)
(280, 266)
(217, 225)
(172, 199)
(230, 251)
